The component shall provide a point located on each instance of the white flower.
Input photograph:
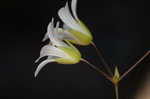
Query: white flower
(74, 25)
(57, 50)
(60, 34)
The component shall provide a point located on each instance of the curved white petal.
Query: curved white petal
(38, 59)
(49, 50)
(56, 28)
(61, 35)
(50, 31)
(45, 37)
(65, 34)
(52, 34)
(67, 18)
(42, 64)
(74, 8)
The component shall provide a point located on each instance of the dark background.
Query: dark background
(120, 30)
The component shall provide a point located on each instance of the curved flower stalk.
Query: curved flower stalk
(74, 25)
(57, 50)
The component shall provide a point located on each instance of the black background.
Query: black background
(120, 30)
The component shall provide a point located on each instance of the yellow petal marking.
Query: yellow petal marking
(73, 53)
(83, 38)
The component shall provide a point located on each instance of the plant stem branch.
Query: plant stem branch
(133, 66)
(97, 69)
(116, 91)
(102, 59)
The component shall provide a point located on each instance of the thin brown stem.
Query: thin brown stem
(102, 59)
(116, 91)
(133, 66)
(97, 69)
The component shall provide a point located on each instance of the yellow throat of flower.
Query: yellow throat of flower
(74, 55)
(84, 39)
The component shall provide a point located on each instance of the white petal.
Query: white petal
(52, 34)
(37, 59)
(62, 34)
(65, 34)
(56, 33)
(42, 64)
(74, 8)
(67, 18)
(52, 51)
(56, 28)
(49, 50)
(50, 31)
(45, 37)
